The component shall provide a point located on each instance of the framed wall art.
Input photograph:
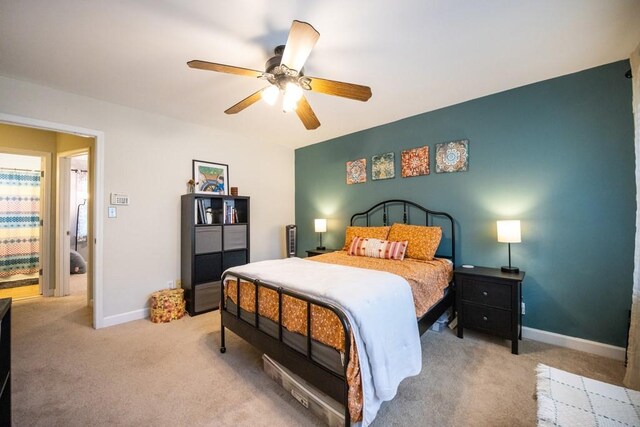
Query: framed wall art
(357, 171)
(415, 162)
(452, 156)
(383, 166)
(211, 177)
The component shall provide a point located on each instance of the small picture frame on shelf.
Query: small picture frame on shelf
(211, 178)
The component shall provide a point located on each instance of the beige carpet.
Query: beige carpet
(67, 374)
(78, 284)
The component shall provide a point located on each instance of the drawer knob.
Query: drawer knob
(484, 318)
(485, 293)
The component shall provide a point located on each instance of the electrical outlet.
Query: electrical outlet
(178, 283)
(170, 284)
(523, 308)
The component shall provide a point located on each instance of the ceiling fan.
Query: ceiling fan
(284, 72)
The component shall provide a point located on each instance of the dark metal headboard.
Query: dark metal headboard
(388, 209)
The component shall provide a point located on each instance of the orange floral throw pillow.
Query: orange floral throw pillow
(368, 232)
(423, 240)
(376, 248)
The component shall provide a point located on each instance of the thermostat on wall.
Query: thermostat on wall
(119, 199)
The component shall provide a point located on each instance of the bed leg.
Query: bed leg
(223, 349)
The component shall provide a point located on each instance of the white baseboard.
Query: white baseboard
(117, 319)
(593, 347)
(574, 343)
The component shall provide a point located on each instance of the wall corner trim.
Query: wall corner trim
(117, 319)
(593, 347)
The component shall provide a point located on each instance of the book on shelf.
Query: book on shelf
(229, 213)
(198, 212)
(224, 212)
(201, 212)
(203, 216)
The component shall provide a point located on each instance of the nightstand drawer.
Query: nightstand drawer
(490, 319)
(487, 293)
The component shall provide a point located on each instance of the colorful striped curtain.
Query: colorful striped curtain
(19, 222)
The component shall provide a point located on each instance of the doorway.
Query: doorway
(74, 201)
(51, 262)
(22, 209)
(78, 211)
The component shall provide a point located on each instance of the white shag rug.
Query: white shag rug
(566, 399)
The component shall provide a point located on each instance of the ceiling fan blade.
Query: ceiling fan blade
(302, 38)
(221, 68)
(306, 114)
(345, 90)
(247, 102)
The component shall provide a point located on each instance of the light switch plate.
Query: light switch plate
(112, 212)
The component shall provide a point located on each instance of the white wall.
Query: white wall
(148, 157)
(18, 161)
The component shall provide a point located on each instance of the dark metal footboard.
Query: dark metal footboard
(301, 364)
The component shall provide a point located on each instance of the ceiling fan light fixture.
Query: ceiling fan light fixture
(285, 73)
(292, 95)
(293, 91)
(289, 104)
(270, 95)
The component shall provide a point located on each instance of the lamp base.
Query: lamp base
(513, 270)
(320, 248)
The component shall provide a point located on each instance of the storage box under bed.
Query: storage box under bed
(323, 406)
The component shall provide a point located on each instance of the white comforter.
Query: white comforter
(380, 309)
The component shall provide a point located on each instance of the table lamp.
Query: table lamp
(509, 232)
(321, 227)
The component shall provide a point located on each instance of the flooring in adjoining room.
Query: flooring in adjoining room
(21, 292)
(78, 284)
(20, 286)
(67, 374)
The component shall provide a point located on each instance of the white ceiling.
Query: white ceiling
(416, 55)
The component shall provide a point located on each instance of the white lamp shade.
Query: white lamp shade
(321, 225)
(509, 231)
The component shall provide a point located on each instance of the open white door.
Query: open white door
(63, 242)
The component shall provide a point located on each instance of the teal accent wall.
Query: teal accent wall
(558, 155)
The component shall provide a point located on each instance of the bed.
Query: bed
(311, 334)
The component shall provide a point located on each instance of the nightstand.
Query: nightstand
(314, 252)
(489, 300)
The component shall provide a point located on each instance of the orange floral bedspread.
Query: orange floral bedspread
(428, 279)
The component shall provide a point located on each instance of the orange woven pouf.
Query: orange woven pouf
(167, 305)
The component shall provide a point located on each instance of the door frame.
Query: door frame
(63, 244)
(98, 193)
(45, 210)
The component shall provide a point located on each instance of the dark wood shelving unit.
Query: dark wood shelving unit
(214, 237)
